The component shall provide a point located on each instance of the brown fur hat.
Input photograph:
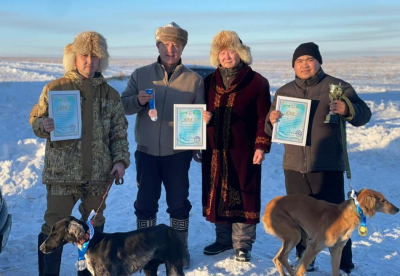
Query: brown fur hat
(229, 40)
(87, 42)
(172, 32)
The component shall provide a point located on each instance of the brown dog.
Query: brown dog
(325, 224)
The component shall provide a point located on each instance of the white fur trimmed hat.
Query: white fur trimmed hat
(172, 32)
(229, 40)
(87, 42)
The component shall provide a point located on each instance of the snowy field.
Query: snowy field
(374, 152)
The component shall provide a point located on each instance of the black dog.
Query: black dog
(121, 253)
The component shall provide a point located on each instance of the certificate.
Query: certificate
(189, 126)
(292, 127)
(65, 109)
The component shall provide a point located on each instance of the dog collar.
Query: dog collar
(81, 263)
(84, 247)
(362, 229)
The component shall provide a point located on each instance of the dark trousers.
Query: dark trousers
(239, 235)
(328, 186)
(173, 172)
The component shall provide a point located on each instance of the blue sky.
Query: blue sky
(271, 28)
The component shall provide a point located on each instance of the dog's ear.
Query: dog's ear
(368, 203)
(76, 231)
(360, 191)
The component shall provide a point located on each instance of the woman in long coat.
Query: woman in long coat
(238, 101)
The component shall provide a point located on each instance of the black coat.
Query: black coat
(323, 150)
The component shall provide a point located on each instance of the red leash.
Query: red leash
(118, 181)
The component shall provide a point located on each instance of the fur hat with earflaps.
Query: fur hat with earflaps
(87, 42)
(229, 40)
(172, 32)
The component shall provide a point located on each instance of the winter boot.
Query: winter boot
(223, 241)
(216, 248)
(346, 261)
(243, 255)
(41, 238)
(86, 272)
(182, 227)
(144, 223)
(48, 264)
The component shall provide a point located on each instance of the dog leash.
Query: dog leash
(362, 228)
(118, 181)
(342, 123)
(81, 263)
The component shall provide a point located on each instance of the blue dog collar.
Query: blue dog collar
(81, 263)
(362, 229)
(82, 251)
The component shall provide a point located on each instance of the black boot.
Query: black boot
(216, 248)
(49, 264)
(84, 273)
(41, 238)
(223, 241)
(243, 255)
(346, 261)
(144, 223)
(183, 236)
(182, 227)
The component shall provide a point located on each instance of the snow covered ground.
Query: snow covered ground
(374, 152)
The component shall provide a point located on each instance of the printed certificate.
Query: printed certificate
(292, 127)
(189, 126)
(65, 109)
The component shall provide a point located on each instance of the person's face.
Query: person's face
(170, 52)
(228, 59)
(306, 67)
(87, 65)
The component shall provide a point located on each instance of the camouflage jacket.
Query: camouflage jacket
(104, 133)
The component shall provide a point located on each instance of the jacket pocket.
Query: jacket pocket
(62, 158)
(61, 144)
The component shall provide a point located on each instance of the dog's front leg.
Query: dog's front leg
(150, 269)
(336, 254)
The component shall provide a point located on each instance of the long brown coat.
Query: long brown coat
(231, 182)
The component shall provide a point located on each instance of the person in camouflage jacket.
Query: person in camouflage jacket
(81, 168)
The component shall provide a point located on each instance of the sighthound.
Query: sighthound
(121, 253)
(324, 224)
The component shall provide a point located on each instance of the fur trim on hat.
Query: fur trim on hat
(172, 32)
(87, 42)
(229, 40)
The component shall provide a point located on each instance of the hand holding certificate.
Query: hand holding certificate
(65, 109)
(293, 126)
(189, 127)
